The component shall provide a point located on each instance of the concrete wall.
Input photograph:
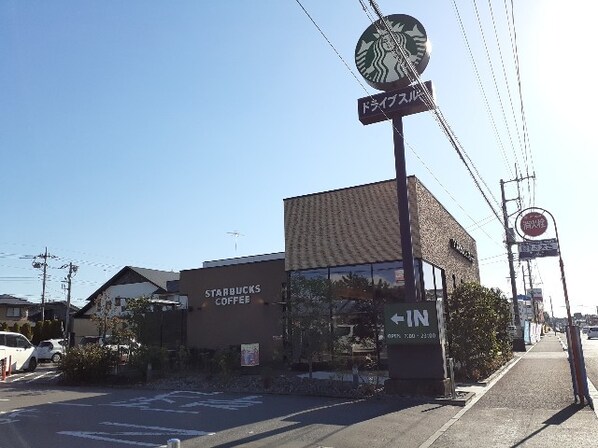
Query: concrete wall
(84, 327)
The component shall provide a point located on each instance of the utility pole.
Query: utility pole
(72, 270)
(518, 342)
(44, 266)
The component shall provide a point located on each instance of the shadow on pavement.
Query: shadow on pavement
(557, 419)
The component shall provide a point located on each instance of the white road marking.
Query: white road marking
(76, 404)
(152, 431)
(171, 399)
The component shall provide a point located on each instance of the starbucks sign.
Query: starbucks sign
(380, 61)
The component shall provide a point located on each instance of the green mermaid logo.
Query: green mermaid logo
(380, 62)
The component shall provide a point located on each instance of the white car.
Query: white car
(592, 332)
(18, 351)
(51, 350)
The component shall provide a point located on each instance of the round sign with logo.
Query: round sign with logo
(380, 61)
(533, 224)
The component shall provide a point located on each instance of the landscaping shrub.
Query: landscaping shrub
(478, 320)
(87, 364)
(144, 355)
(26, 330)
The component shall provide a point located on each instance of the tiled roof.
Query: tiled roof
(6, 299)
(347, 226)
(158, 278)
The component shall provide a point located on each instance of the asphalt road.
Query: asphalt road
(590, 352)
(49, 416)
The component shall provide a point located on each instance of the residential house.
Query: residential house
(130, 283)
(14, 309)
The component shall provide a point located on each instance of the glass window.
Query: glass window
(11, 340)
(22, 342)
(440, 282)
(428, 278)
(13, 312)
(351, 282)
(389, 281)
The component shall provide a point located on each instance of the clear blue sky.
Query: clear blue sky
(141, 132)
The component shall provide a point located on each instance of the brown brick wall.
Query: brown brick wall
(348, 226)
(360, 225)
(437, 228)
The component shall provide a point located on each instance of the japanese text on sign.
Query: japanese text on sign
(403, 102)
(533, 224)
(388, 102)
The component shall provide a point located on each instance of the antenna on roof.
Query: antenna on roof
(236, 236)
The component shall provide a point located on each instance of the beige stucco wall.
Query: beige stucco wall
(84, 327)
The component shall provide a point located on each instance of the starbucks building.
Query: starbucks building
(343, 254)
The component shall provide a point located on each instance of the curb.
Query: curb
(591, 387)
(495, 378)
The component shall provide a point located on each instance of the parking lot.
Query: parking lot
(46, 373)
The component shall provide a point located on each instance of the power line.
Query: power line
(414, 77)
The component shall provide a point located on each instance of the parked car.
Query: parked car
(592, 332)
(51, 350)
(90, 340)
(122, 347)
(17, 348)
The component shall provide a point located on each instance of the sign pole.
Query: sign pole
(416, 361)
(534, 224)
(403, 208)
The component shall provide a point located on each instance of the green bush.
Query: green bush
(26, 330)
(3, 326)
(478, 320)
(144, 355)
(37, 333)
(87, 364)
(15, 327)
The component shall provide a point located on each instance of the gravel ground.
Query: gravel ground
(279, 383)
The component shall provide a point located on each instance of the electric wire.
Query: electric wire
(479, 81)
(506, 79)
(414, 77)
(412, 149)
(494, 80)
(513, 36)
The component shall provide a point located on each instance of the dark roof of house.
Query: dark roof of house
(160, 279)
(6, 299)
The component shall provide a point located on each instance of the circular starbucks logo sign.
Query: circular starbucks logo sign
(380, 61)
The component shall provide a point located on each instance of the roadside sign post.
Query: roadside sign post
(533, 222)
(390, 55)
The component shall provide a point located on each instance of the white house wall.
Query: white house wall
(130, 291)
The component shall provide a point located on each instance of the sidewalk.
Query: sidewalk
(530, 405)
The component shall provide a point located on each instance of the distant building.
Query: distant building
(14, 309)
(130, 282)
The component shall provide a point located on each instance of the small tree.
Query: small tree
(107, 319)
(135, 317)
(309, 318)
(15, 327)
(27, 331)
(477, 328)
(37, 333)
(46, 330)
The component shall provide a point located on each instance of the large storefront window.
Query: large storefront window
(339, 311)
